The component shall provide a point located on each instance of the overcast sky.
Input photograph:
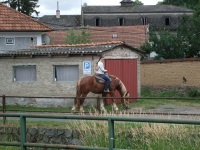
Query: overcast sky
(73, 7)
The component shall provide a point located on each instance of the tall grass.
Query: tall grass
(140, 136)
(128, 135)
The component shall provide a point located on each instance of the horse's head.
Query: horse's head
(126, 100)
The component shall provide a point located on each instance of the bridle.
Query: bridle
(126, 102)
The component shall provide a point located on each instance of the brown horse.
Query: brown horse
(89, 84)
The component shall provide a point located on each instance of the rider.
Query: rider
(102, 73)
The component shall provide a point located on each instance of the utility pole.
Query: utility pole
(18, 6)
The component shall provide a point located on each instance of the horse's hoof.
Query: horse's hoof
(81, 113)
(126, 107)
(103, 111)
(116, 109)
(72, 111)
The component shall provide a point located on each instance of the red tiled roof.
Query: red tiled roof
(78, 45)
(132, 35)
(12, 20)
(65, 49)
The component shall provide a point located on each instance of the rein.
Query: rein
(125, 101)
(125, 93)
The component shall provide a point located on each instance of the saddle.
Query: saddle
(99, 79)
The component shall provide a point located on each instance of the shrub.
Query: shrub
(192, 92)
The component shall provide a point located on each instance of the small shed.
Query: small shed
(52, 70)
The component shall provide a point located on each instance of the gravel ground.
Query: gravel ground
(163, 112)
(171, 109)
(169, 112)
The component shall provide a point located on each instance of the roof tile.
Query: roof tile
(132, 35)
(135, 9)
(12, 20)
(48, 50)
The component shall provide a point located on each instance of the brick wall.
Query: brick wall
(177, 72)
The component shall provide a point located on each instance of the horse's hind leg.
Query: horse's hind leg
(76, 102)
(74, 106)
(81, 110)
(76, 99)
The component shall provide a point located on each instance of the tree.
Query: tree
(182, 44)
(189, 33)
(191, 4)
(25, 6)
(165, 44)
(74, 37)
(137, 2)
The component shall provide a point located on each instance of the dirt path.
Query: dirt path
(170, 109)
(168, 112)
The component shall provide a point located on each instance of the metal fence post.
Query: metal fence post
(22, 132)
(111, 134)
(4, 107)
(98, 103)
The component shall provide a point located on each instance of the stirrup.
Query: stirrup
(106, 91)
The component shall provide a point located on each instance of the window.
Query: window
(10, 41)
(144, 20)
(115, 36)
(66, 73)
(97, 22)
(167, 21)
(25, 73)
(121, 21)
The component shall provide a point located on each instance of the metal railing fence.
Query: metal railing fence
(110, 119)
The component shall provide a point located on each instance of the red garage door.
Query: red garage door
(126, 71)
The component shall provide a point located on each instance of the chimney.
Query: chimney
(57, 11)
(126, 3)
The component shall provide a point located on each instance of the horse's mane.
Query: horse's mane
(121, 87)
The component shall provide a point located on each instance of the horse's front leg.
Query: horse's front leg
(102, 108)
(114, 105)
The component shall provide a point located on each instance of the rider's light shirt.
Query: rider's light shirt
(101, 69)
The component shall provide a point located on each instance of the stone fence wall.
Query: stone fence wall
(42, 135)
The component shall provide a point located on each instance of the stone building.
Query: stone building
(54, 70)
(158, 17)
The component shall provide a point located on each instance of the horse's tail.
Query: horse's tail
(78, 87)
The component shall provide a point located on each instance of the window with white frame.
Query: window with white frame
(10, 40)
(115, 36)
(66, 72)
(25, 73)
